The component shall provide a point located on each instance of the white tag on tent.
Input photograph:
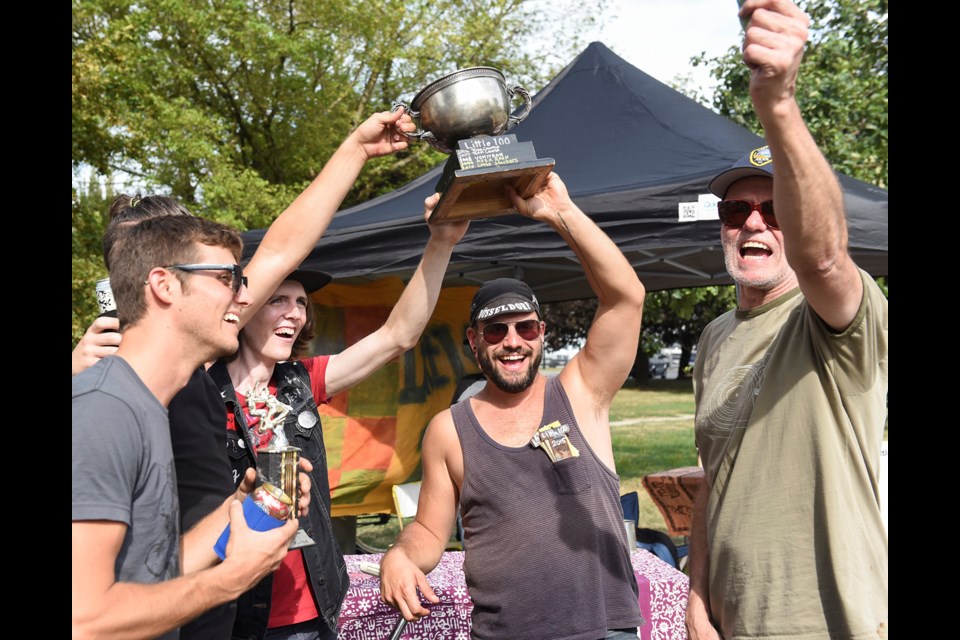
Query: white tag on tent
(708, 207)
(688, 211)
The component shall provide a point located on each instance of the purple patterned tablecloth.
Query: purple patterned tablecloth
(663, 597)
(364, 617)
(663, 602)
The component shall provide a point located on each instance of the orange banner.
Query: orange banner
(373, 431)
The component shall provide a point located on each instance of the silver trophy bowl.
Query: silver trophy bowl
(464, 104)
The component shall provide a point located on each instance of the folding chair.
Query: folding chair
(405, 499)
(631, 507)
(656, 542)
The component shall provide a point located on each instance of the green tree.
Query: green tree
(679, 316)
(842, 88)
(233, 106)
(89, 221)
(567, 322)
(674, 316)
(208, 98)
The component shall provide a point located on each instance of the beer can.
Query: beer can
(108, 307)
(273, 501)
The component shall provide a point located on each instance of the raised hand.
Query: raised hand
(550, 198)
(382, 133)
(773, 49)
(451, 232)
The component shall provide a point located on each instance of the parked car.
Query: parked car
(559, 357)
(658, 365)
(554, 359)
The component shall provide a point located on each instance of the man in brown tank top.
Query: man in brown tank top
(530, 461)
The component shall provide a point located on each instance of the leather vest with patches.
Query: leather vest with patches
(324, 561)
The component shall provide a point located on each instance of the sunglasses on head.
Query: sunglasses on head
(236, 278)
(734, 213)
(495, 332)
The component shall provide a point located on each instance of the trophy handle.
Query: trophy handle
(419, 134)
(526, 103)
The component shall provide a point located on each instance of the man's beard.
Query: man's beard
(489, 369)
(773, 277)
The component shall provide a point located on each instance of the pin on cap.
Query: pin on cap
(758, 162)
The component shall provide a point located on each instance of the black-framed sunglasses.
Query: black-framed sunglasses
(495, 332)
(734, 213)
(237, 279)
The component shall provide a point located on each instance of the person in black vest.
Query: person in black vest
(303, 598)
(530, 461)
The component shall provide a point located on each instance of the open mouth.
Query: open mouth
(232, 318)
(753, 249)
(284, 332)
(512, 361)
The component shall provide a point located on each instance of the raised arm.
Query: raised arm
(409, 316)
(420, 545)
(301, 225)
(295, 231)
(807, 197)
(603, 364)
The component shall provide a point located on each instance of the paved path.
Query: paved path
(621, 423)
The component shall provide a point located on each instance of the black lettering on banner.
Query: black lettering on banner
(413, 393)
(455, 350)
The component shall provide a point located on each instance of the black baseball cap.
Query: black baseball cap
(758, 162)
(502, 295)
(311, 279)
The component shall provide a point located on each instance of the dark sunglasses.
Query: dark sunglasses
(734, 213)
(237, 279)
(495, 332)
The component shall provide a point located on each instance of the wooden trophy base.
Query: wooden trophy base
(474, 180)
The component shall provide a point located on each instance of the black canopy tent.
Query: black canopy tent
(630, 150)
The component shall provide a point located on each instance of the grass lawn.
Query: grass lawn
(652, 430)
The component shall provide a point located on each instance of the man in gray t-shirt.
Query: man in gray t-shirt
(179, 292)
(119, 425)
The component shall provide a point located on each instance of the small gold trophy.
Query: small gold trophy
(278, 462)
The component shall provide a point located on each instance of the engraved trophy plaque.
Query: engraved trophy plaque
(466, 114)
(277, 463)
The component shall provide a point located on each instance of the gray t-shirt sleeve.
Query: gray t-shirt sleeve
(107, 450)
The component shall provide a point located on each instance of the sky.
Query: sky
(660, 36)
